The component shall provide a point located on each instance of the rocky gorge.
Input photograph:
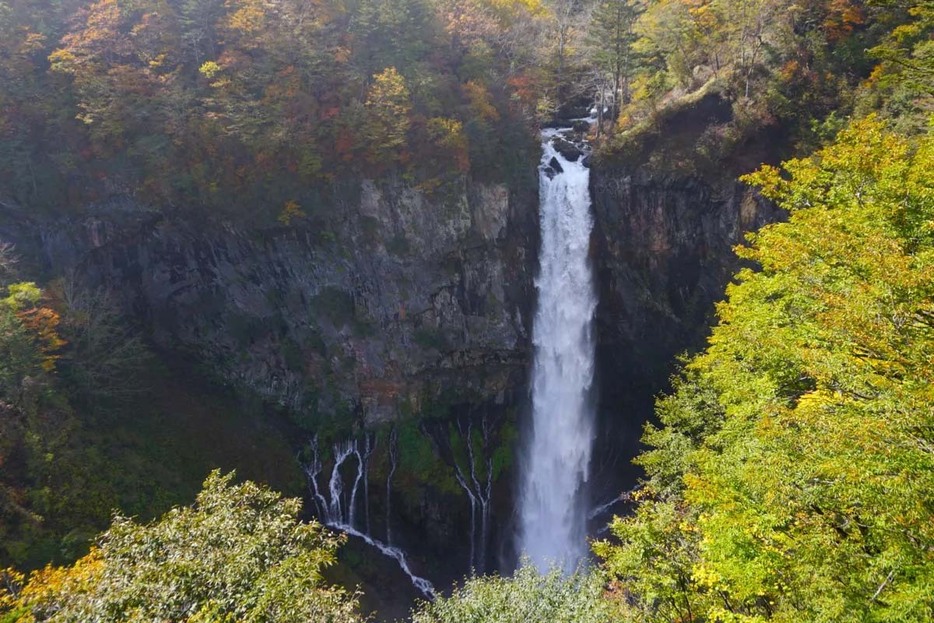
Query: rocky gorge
(406, 315)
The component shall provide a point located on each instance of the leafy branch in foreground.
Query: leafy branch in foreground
(527, 596)
(239, 554)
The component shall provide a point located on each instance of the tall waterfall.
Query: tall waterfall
(553, 505)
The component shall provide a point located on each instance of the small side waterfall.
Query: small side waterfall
(479, 489)
(339, 511)
(553, 505)
(466, 442)
(393, 460)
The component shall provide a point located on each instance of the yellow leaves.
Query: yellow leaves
(480, 100)
(32, 43)
(48, 588)
(769, 180)
(209, 69)
(509, 11)
(42, 322)
(449, 135)
(388, 92)
(11, 583)
(706, 576)
(290, 212)
(388, 105)
(158, 61)
(248, 16)
(821, 372)
(63, 61)
(22, 295)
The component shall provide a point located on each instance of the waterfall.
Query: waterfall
(479, 490)
(393, 450)
(553, 505)
(338, 513)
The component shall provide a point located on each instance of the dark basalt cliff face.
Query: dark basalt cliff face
(392, 310)
(373, 312)
(667, 214)
(663, 252)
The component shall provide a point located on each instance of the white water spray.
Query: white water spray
(553, 504)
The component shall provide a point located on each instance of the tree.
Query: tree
(29, 331)
(527, 596)
(388, 106)
(561, 52)
(239, 554)
(612, 36)
(901, 83)
(105, 359)
(795, 462)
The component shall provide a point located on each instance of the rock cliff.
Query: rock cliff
(388, 301)
(663, 249)
(394, 305)
(668, 210)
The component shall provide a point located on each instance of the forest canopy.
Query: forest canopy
(243, 106)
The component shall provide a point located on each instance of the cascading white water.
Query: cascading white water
(553, 508)
(479, 493)
(332, 512)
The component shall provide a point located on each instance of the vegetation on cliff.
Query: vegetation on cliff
(91, 422)
(769, 78)
(249, 107)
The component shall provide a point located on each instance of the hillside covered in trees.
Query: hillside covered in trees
(246, 107)
(788, 473)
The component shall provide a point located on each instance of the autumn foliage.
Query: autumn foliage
(241, 105)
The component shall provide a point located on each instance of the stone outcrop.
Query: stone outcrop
(663, 249)
(668, 210)
(386, 303)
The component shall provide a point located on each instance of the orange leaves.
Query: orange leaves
(480, 100)
(344, 144)
(43, 323)
(524, 89)
(290, 212)
(842, 17)
(98, 37)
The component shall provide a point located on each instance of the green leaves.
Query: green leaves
(796, 450)
(527, 596)
(239, 554)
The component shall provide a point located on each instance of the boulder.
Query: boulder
(567, 149)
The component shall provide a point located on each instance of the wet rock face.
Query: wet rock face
(663, 249)
(387, 303)
(663, 256)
